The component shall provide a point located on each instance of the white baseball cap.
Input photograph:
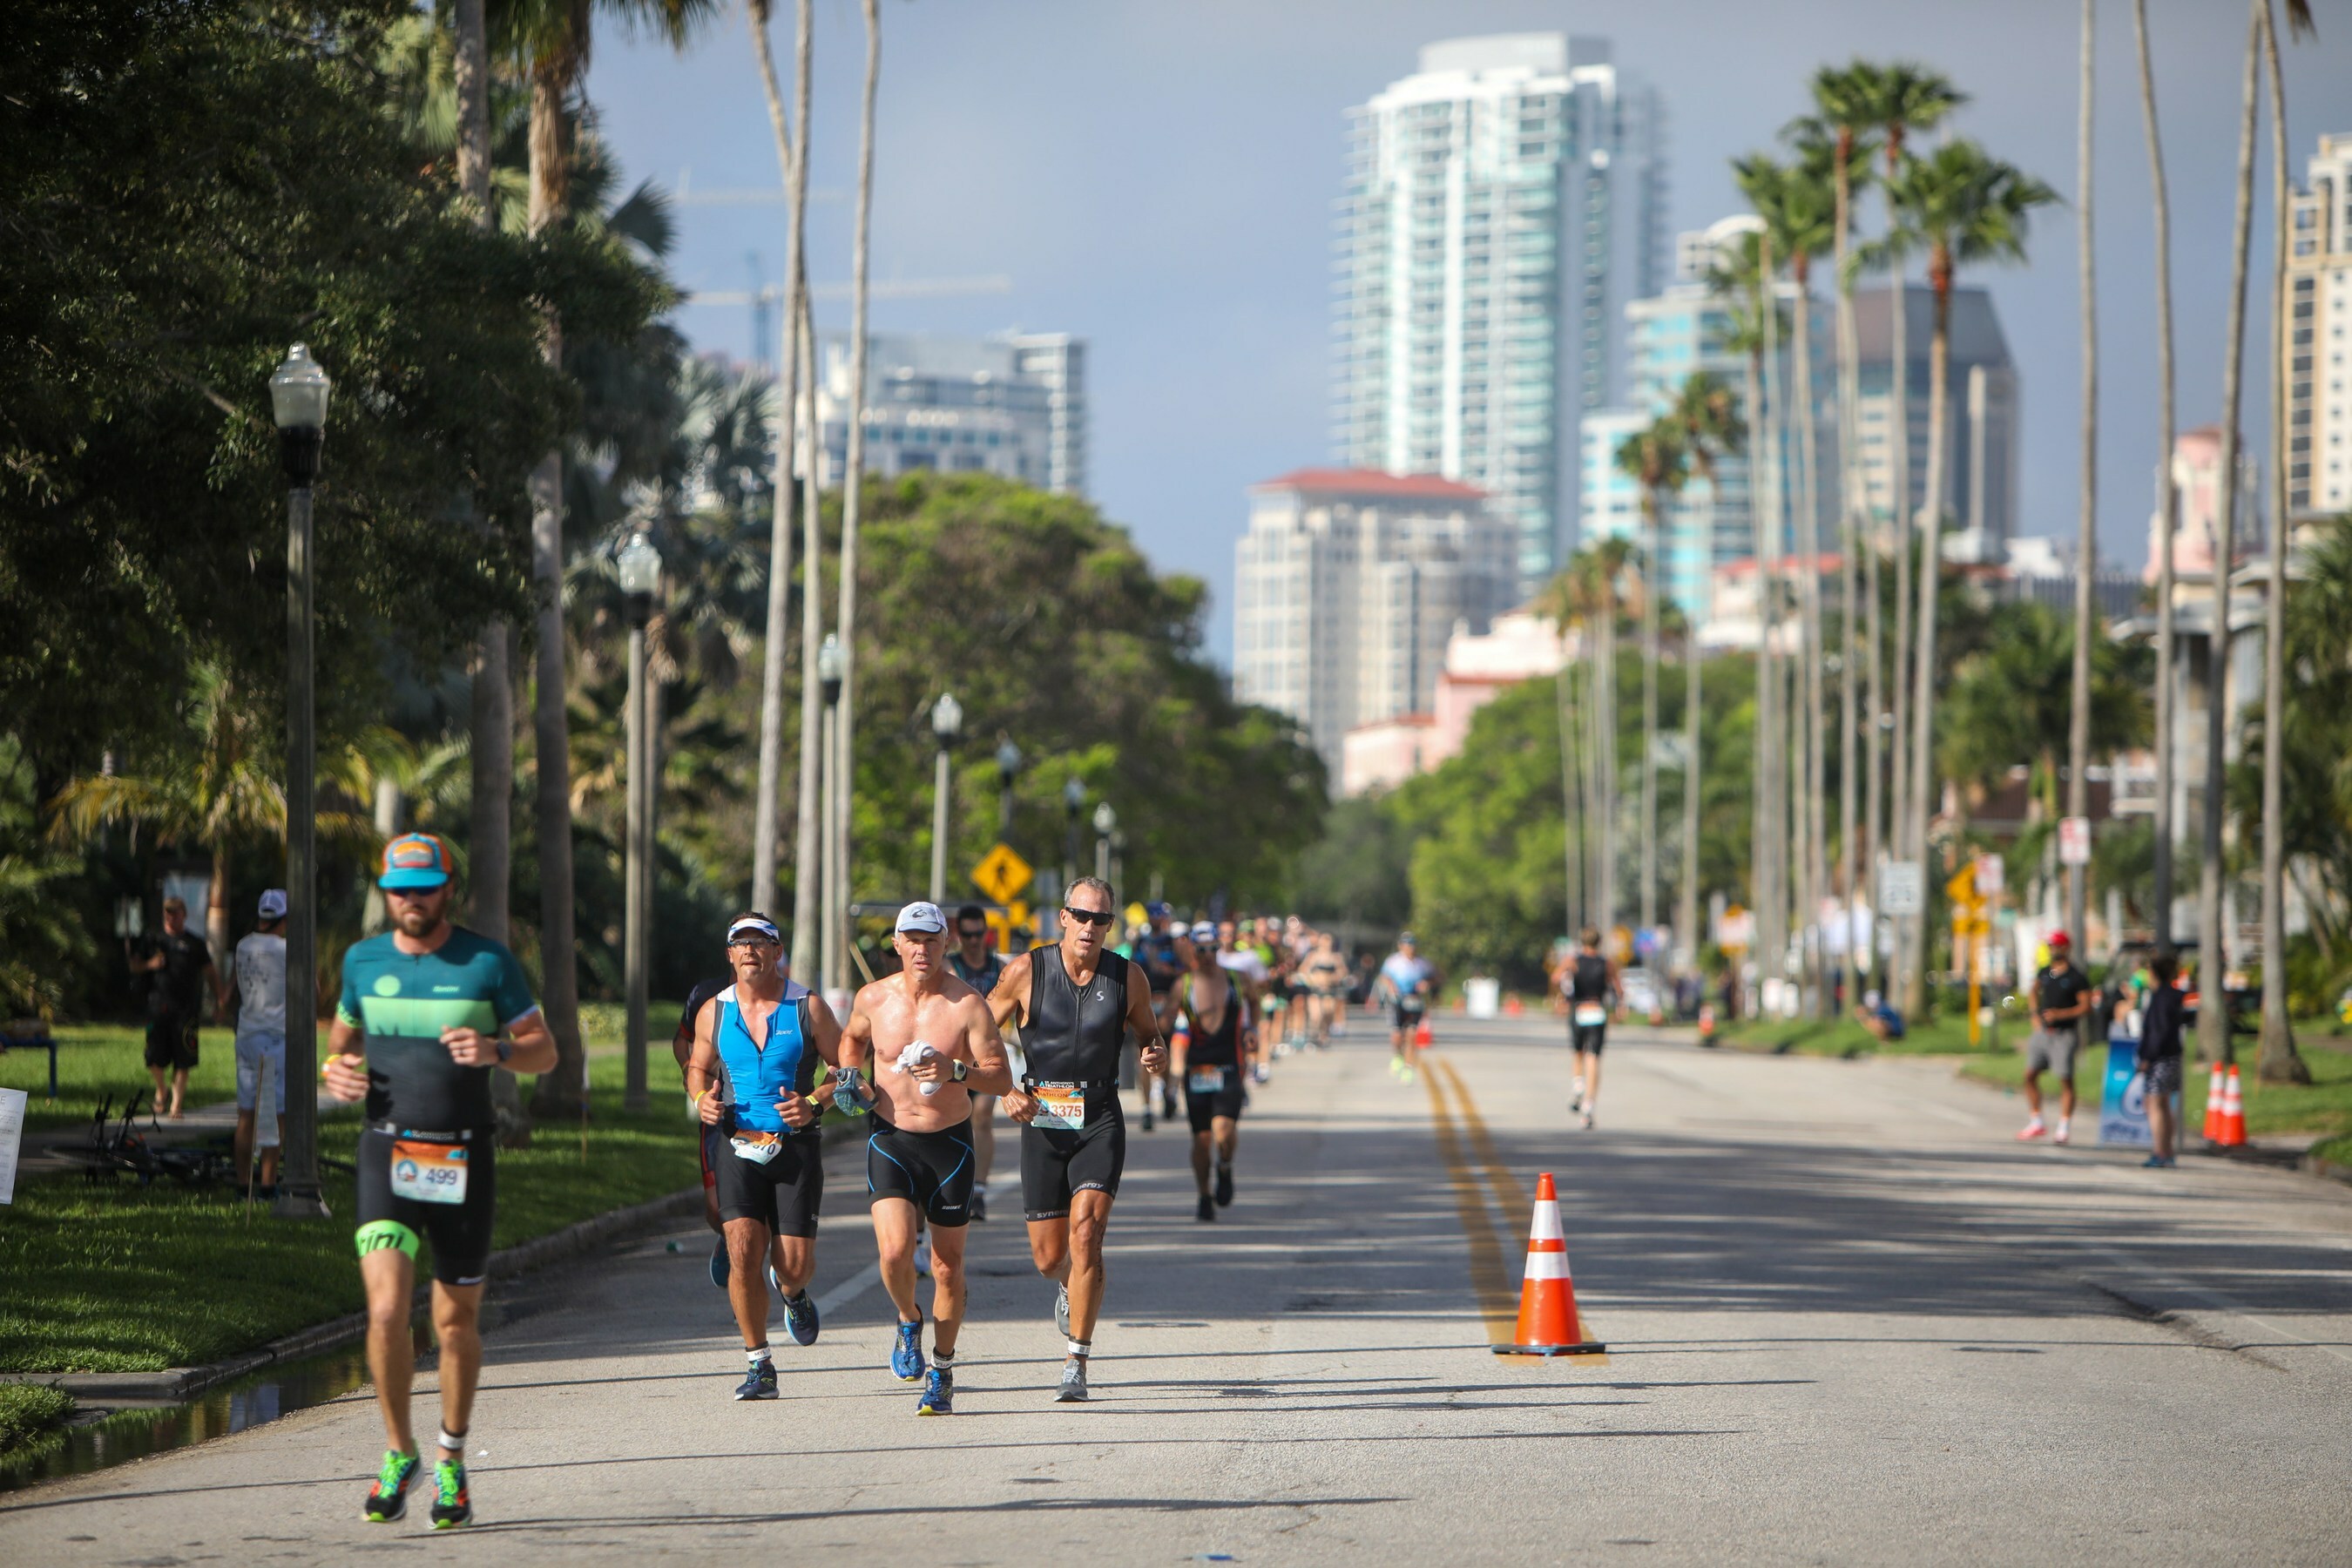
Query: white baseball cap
(273, 904)
(923, 918)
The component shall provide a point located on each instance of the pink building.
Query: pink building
(2197, 477)
(1520, 645)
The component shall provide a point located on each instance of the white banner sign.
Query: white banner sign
(2073, 841)
(12, 1133)
(1901, 891)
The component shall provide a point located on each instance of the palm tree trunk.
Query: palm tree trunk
(217, 918)
(1816, 794)
(2277, 1060)
(1762, 877)
(1653, 586)
(2168, 499)
(2086, 547)
(1571, 899)
(799, 423)
(2213, 1042)
(561, 1090)
(1857, 756)
(844, 730)
(765, 828)
(1686, 912)
(1604, 682)
(1905, 537)
(1931, 574)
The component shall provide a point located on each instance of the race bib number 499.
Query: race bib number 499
(428, 1173)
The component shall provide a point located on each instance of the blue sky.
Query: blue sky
(1158, 178)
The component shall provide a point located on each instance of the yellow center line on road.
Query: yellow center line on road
(1487, 1274)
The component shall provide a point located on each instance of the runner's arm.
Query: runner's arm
(1144, 1021)
(702, 1074)
(825, 1032)
(1012, 988)
(346, 1065)
(983, 1048)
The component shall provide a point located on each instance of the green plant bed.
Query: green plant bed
(117, 1278)
(1942, 1035)
(31, 1417)
(2336, 1152)
(2324, 1105)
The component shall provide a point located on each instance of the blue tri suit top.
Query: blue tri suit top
(760, 1071)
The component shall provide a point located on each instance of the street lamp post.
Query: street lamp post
(831, 961)
(1106, 824)
(1074, 802)
(1008, 768)
(640, 569)
(946, 725)
(298, 398)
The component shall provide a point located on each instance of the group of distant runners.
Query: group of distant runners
(427, 1011)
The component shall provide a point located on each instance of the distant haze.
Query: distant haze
(1158, 178)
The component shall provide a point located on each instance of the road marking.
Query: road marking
(1486, 1276)
(848, 1290)
(1517, 1211)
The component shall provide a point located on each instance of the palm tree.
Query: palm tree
(1706, 418)
(1841, 119)
(792, 155)
(2087, 546)
(1959, 206)
(1592, 594)
(554, 37)
(2168, 500)
(2277, 1060)
(1899, 99)
(852, 486)
(1656, 459)
(2013, 697)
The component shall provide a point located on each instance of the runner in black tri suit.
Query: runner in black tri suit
(978, 965)
(1214, 1026)
(1589, 983)
(1163, 965)
(1075, 1003)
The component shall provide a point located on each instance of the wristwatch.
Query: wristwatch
(506, 1050)
(963, 1070)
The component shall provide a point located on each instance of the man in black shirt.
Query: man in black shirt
(2061, 995)
(2160, 1020)
(175, 964)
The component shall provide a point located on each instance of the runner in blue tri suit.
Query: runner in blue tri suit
(753, 1074)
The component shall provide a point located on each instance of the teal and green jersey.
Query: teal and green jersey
(402, 1002)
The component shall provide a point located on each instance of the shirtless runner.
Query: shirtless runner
(930, 1045)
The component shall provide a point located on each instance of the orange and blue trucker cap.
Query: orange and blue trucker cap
(414, 860)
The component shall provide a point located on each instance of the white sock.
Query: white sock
(451, 1442)
(758, 1358)
(1082, 1349)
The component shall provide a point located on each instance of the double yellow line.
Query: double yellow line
(1490, 1248)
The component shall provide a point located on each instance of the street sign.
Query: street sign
(1001, 874)
(2073, 841)
(1901, 889)
(1990, 873)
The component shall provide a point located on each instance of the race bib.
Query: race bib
(1061, 1107)
(756, 1146)
(428, 1173)
(1591, 1015)
(1205, 1080)
(1412, 1003)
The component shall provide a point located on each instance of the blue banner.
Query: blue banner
(2123, 1103)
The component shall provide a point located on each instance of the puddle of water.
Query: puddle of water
(132, 1434)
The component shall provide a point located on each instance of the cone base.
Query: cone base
(1589, 1347)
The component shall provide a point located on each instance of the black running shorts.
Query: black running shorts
(783, 1194)
(460, 1232)
(1056, 1164)
(172, 1041)
(932, 1170)
(1204, 1106)
(1588, 1037)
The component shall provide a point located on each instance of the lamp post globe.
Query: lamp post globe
(640, 570)
(298, 401)
(1008, 763)
(1106, 819)
(1073, 797)
(946, 719)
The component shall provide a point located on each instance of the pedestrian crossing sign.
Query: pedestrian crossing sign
(1001, 874)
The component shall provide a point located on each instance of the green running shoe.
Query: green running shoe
(388, 1499)
(451, 1506)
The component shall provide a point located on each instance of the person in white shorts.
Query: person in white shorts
(257, 976)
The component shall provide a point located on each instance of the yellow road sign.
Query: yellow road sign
(1001, 874)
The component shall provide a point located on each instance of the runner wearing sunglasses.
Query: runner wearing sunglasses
(1075, 1003)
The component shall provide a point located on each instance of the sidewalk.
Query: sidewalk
(51, 1152)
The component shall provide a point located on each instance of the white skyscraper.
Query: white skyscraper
(1501, 206)
(2319, 383)
(1015, 406)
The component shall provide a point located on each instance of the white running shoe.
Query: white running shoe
(922, 1255)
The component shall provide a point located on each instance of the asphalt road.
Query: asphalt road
(1850, 1320)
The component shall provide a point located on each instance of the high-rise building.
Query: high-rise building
(1014, 407)
(1501, 206)
(1671, 336)
(2319, 310)
(1980, 501)
(1347, 585)
(2196, 487)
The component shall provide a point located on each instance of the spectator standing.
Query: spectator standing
(258, 975)
(2162, 1017)
(2061, 995)
(176, 964)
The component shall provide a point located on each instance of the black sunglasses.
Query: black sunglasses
(971, 933)
(1088, 917)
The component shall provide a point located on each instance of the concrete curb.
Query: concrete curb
(2333, 1170)
(179, 1382)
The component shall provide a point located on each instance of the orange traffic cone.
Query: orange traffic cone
(1706, 1021)
(2215, 1093)
(1548, 1321)
(1424, 1037)
(2234, 1113)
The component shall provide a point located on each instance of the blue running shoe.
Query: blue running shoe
(939, 1397)
(718, 1270)
(388, 1499)
(800, 1318)
(758, 1383)
(907, 1356)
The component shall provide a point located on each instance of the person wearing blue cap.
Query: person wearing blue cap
(427, 1011)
